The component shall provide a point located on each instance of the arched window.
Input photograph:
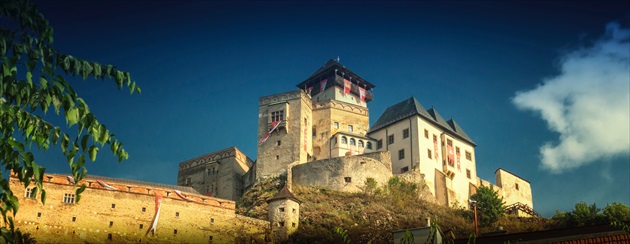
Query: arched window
(344, 140)
(352, 141)
(368, 145)
(360, 143)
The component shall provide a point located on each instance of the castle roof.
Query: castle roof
(411, 107)
(333, 65)
(284, 193)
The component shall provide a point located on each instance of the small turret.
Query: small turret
(284, 214)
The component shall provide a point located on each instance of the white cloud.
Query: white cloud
(588, 103)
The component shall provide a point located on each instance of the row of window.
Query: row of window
(111, 223)
(282, 210)
(336, 126)
(353, 142)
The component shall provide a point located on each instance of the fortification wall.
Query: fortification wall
(126, 214)
(344, 173)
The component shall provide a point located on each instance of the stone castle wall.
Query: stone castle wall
(344, 173)
(126, 214)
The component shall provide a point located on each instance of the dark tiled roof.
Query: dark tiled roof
(284, 193)
(411, 107)
(327, 67)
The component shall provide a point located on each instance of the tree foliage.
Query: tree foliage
(33, 80)
(489, 205)
(584, 214)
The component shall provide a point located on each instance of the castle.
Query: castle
(318, 135)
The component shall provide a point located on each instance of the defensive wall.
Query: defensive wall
(344, 173)
(117, 210)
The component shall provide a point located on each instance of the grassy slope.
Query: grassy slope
(369, 217)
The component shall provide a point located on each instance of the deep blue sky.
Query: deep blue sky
(202, 65)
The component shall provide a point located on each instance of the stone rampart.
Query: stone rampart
(344, 173)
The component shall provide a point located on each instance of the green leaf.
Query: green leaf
(43, 196)
(72, 116)
(43, 82)
(84, 141)
(93, 151)
(29, 78)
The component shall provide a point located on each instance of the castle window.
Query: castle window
(368, 145)
(468, 173)
(344, 140)
(516, 184)
(141, 226)
(379, 144)
(336, 125)
(113, 205)
(277, 157)
(404, 169)
(350, 129)
(429, 154)
(426, 133)
(109, 236)
(68, 198)
(293, 224)
(176, 214)
(211, 220)
(74, 218)
(352, 142)
(401, 154)
(90, 183)
(468, 156)
(144, 209)
(281, 210)
(405, 133)
(111, 223)
(294, 210)
(30, 193)
(168, 193)
(314, 131)
(128, 188)
(390, 139)
(360, 143)
(278, 143)
(347, 179)
(281, 223)
(277, 116)
(39, 215)
(188, 180)
(175, 232)
(209, 238)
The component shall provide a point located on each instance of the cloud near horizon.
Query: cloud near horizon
(587, 104)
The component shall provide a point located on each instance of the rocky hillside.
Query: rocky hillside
(372, 215)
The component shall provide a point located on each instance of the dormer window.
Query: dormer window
(277, 116)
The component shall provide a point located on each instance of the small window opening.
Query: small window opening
(176, 214)
(111, 223)
(144, 209)
(113, 205)
(347, 179)
(39, 215)
(74, 218)
(175, 231)
(279, 143)
(141, 226)
(211, 220)
(516, 186)
(281, 223)
(109, 236)
(281, 209)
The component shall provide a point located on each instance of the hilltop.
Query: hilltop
(371, 215)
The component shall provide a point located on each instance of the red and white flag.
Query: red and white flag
(435, 148)
(362, 94)
(450, 159)
(459, 166)
(179, 193)
(347, 86)
(322, 85)
(309, 89)
(158, 205)
(274, 125)
(106, 186)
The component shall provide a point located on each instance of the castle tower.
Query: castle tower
(340, 113)
(284, 214)
(284, 132)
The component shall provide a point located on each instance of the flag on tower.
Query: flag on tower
(362, 94)
(322, 85)
(274, 125)
(347, 86)
(309, 89)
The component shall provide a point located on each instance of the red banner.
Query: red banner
(309, 90)
(347, 86)
(274, 125)
(435, 149)
(322, 85)
(179, 193)
(459, 166)
(158, 205)
(450, 158)
(362, 94)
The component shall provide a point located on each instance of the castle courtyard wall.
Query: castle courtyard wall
(344, 173)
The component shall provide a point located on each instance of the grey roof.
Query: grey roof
(284, 193)
(411, 107)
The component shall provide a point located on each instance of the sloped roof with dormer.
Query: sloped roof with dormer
(411, 107)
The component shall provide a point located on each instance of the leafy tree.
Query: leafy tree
(489, 205)
(33, 80)
(584, 214)
(617, 212)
